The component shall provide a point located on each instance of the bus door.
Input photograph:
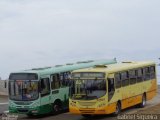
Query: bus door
(55, 86)
(45, 91)
(60, 87)
(111, 87)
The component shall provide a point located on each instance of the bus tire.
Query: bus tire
(57, 107)
(118, 109)
(143, 103)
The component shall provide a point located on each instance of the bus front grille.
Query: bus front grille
(23, 103)
(22, 110)
(87, 111)
(87, 103)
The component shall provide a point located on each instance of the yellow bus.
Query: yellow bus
(109, 89)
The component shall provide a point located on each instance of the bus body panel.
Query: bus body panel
(128, 96)
(44, 104)
(126, 101)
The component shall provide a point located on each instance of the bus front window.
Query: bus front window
(88, 89)
(23, 90)
(23, 86)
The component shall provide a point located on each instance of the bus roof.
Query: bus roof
(68, 67)
(116, 67)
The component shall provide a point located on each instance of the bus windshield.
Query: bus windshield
(88, 89)
(23, 87)
(25, 90)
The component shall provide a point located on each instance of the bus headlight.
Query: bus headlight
(72, 103)
(101, 105)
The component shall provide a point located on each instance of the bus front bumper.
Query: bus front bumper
(24, 110)
(75, 110)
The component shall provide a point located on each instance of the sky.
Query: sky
(38, 33)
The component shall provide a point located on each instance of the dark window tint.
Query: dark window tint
(55, 81)
(152, 72)
(118, 80)
(111, 88)
(45, 86)
(132, 76)
(139, 75)
(88, 89)
(146, 74)
(124, 78)
(65, 79)
(110, 84)
(23, 76)
(23, 90)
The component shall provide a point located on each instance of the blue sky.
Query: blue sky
(37, 33)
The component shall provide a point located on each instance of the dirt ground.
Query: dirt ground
(147, 113)
(151, 110)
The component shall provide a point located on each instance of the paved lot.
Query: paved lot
(3, 103)
(68, 116)
(3, 99)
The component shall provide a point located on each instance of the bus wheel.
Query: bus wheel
(57, 107)
(143, 103)
(118, 109)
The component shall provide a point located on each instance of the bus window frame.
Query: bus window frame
(65, 80)
(153, 72)
(119, 86)
(142, 75)
(145, 74)
(112, 91)
(126, 79)
(49, 89)
(53, 81)
(135, 77)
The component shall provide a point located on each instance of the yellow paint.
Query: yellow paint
(128, 96)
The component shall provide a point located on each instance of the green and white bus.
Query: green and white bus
(44, 90)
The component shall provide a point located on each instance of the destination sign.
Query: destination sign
(88, 75)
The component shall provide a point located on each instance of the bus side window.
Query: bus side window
(111, 88)
(72, 88)
(110, 85)
(125, 78)
(62, 79)
(65, 78)
(146, 73)
(139, 75)
(117, 80)
(132, 76)
(55, 82)
(45, 86)
(152, 72)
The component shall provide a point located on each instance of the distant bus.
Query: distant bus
(44, 90)
(109, 89)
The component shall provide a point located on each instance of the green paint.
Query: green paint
(44, 104)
